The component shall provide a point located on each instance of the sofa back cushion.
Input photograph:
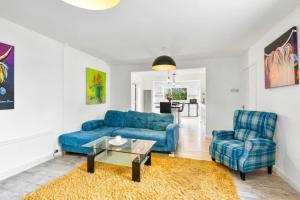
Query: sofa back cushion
(245, 134)
(137, 119)
(115, 118)
(159, 122)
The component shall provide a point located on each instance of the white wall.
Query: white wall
(75, 108)
(284, 101)
(222, 74)
(221, 77)
(29, 131)
(28, 134)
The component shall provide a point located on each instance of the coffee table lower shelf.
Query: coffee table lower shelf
(134, 161)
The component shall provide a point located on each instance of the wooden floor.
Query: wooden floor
(192, 144)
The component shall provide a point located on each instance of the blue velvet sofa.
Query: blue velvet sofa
(138, 125)
(250, 145)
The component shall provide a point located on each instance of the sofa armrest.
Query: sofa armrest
(91, 125)
(222, 135)
(172, 132)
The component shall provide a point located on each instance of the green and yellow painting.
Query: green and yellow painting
(96, 86)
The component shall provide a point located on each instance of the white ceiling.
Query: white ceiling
(184, 74)
(137, 30)
(189, 76)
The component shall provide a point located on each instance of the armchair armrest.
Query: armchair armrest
(91, 125)
(222, 135)
(258, 153)
(259, 144)
(172, 132)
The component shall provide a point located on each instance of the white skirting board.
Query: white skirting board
(20, 154)
(294, 183)
(24, 167)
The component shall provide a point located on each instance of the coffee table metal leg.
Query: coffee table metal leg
(148, 162)
(136, 170)
(91, 163)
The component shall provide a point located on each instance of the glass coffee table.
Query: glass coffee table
(134, 153)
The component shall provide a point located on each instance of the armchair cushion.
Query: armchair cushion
(262, 122)
(250, 120)
(245, 134)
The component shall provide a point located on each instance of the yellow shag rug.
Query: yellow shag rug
(167, 178)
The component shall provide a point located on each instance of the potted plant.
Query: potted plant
(169, 96)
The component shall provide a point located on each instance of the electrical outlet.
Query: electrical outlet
(55, 152)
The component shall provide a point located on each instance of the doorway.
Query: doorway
(188, 88)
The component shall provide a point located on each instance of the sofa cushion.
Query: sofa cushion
(144, 134)
(231, 148)
(245, 134)
(114, 118)
(137, 119)
(79, 138)
(159, 122)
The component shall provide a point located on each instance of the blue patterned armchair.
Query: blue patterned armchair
(249, 146)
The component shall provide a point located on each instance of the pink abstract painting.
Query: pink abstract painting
(281, 61)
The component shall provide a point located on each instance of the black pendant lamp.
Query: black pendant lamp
(164, 63)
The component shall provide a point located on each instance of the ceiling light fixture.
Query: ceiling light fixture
(164, 63)
(93, 4)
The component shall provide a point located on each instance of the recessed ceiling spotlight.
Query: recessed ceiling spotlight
(93, 4)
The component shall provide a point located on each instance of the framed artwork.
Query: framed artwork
(176, 93)
(6, 76)
(96, 86)
(281, 61)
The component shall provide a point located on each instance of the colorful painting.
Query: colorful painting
(176, 93)
(6, 76)
(281, 61)
(96, 86)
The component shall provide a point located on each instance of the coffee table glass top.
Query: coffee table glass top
(132, 146)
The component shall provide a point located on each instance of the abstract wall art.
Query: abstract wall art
(96, 86)
(6, 76)
(281, 61)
